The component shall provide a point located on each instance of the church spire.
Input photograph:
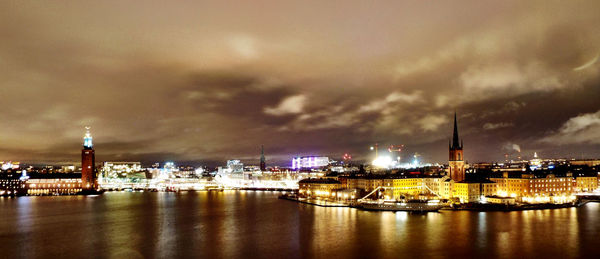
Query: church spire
(455, 143)
(263, 164)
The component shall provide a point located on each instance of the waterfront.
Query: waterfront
(246, 224)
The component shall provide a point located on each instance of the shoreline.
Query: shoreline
(462, 207)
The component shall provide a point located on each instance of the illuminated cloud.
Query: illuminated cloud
(493, 126)
(432, 122)
(244, 46)
(584, 128)
(289, 105)
(512, 147)
(182, 81)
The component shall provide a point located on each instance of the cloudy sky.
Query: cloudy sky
(207, 81)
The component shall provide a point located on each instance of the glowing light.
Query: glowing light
(382, 161)
(87, 139)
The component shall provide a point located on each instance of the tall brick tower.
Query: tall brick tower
(88, 161)
(456, 161)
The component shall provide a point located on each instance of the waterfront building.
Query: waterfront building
(456, 163)
(396, 186)
(11, 184)
(319, 187)
(407, 186)
(88, 160)
(534, 188)
(470, 192)
(350, 182)
(55, 184)
(446, 189)
(586, 183)
(370, 183)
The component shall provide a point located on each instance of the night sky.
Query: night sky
(202, 82)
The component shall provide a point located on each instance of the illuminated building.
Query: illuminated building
(370, 183)
(68, 168)
(263, 164)
(307, 162)
(587, 162)
(11, 184)
(586, 183)
(469, 192)
(536, 161)
(500, 200)
(235, 166)
(456, 163)
(88, 161)
(120, 169)
(397, 187)
(321, 187)
(531, 189)
(446, 188)
(55, 184)
(9, 165)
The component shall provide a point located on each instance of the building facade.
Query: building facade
(11, 184)
(55, 184)
(470, 192)
(537, 189)
(586, 183)
(319, 188)
(120, 169)
(307, 162)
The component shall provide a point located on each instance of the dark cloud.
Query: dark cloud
(203, 82)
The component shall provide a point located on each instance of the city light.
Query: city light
(383, 161)
(296, 129)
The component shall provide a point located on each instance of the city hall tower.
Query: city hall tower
(88, 161)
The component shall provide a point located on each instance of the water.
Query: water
(258, 225)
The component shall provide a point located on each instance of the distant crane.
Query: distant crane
(396, 148)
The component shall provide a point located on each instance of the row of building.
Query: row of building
(503, 185)
(526, 188)
(16, 183)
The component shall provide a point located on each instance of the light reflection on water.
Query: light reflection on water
(258, 225)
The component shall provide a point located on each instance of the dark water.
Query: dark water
(258, 225)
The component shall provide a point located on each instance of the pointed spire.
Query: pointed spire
(263, 165)
(455, 134)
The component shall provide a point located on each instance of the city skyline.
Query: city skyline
(220, 81)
